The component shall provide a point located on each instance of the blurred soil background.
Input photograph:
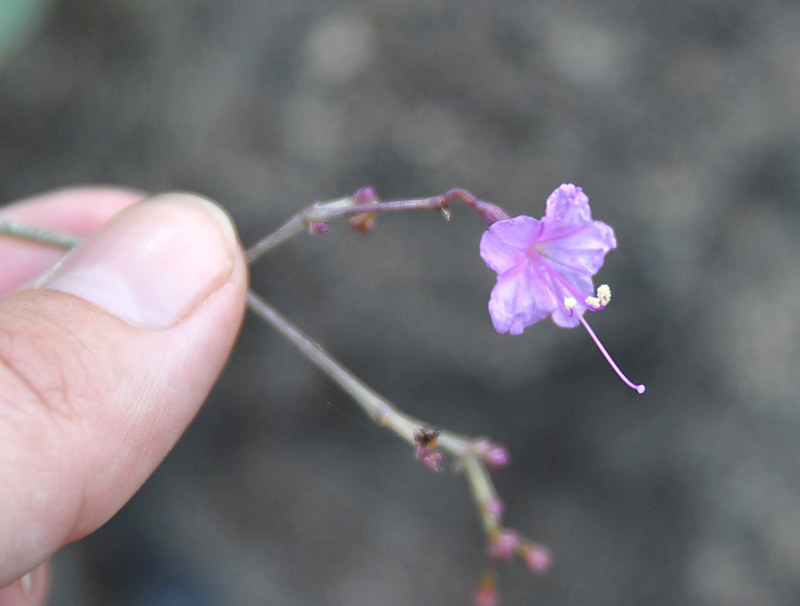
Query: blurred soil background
(681, 121)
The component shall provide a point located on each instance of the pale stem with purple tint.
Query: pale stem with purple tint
(364, 202)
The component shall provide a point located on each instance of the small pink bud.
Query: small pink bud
(485, 594)
(365, 195)
(537, 556)
(494, 507)
(430, 457)
(492, 454)
(497, 456)
(318, 227)
(504, 544)
(432, 460)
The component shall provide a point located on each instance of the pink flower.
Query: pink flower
(542, 264)
(537, 557)
(545, 267)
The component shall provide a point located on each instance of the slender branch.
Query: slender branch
(322, 212)
(468, 450)
(378, 408)
(484, 494)
(292, 227)
(364, 202)
(472, 453)
(38, 234)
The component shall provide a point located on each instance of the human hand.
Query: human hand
(104, 359)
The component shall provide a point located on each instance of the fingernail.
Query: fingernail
(154, 263)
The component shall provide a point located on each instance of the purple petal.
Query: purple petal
(573, 245)
(567, 206)
(580, 249)
(504, 244)
(521, 297)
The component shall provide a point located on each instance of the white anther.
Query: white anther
(604, 294)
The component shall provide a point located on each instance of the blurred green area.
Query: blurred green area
(19, 20)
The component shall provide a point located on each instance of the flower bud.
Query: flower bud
(537, 556)
(485, 593)
(503, 544)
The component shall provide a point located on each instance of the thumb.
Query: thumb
(104, 362)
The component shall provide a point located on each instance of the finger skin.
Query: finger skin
(89, 403)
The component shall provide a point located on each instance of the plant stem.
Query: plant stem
(38, 234)
(364, 202)
(385, 414)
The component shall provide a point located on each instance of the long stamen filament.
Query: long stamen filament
(609, 359)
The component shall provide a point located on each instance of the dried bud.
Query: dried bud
(363, 222)
(427, 437)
